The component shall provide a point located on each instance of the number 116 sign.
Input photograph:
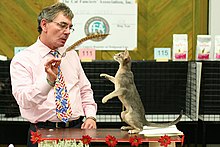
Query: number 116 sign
(162, 54)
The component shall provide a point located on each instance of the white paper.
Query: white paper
(155, 131)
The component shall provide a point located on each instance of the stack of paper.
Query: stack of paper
(155, 131)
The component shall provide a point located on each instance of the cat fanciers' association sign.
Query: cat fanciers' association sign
(115, 17)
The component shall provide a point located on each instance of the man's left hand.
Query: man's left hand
(89, 124)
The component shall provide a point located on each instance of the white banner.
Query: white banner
(115, 17)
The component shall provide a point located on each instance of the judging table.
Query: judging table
(99, 135)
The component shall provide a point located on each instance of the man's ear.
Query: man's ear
(43, 25)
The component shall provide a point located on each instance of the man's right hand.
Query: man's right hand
(51, 68)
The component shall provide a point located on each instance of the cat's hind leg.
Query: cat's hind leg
(125, 128)
(132, 129)
(136, 125)
(135, 131)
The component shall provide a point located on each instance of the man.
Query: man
(34, 73)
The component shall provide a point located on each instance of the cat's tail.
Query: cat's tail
(163, 125)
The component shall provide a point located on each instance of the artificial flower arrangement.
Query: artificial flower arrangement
(111, 141)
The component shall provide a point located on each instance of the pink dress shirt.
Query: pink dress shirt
(35, 96)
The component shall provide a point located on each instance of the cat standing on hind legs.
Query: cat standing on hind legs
(126, 91)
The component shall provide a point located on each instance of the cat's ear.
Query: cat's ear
(126, 52)
(127, 57)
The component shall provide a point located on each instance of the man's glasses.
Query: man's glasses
(64, 26)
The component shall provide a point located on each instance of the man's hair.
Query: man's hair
(50, 13)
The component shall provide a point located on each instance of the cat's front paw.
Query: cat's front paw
(103, 75)
(104, 100)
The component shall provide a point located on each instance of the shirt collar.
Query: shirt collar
(45, 50)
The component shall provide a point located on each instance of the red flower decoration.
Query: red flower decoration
(135, 141)
(111, 141)
(86, 139)
(35, 137)
(164, 140)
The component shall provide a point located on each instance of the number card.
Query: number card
(162, 54)
(87, 54)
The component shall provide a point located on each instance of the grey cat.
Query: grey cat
(126, 91)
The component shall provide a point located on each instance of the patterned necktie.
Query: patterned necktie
(63, 110)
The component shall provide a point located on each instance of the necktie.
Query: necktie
(63, 110)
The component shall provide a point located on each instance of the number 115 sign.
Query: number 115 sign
(162, 54)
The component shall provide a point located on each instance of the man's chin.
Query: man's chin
(62, 44)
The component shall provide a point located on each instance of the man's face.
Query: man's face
(58, 31)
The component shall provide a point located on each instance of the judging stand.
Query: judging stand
(99, 136)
